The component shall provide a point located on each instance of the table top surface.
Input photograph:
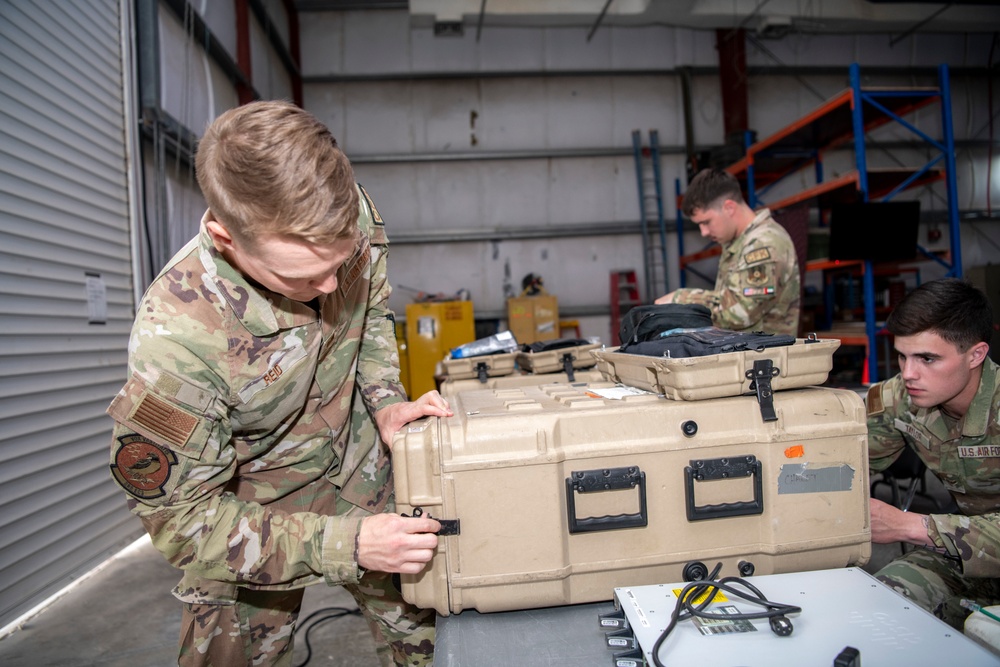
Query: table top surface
(569, 635)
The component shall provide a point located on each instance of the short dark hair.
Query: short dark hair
(708, 187)
(952, 308)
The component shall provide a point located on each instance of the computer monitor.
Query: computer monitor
(876, 231)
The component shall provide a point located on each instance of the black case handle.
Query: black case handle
(725, 468)
(606, 479)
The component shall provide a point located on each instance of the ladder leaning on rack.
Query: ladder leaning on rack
(651, 217)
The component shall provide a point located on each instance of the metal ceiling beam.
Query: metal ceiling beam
(624, 151)
(831, 17)
(751, 70)
(575, 230)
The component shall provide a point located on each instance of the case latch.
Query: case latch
(448, 526)
(760, 381)
(567, 360)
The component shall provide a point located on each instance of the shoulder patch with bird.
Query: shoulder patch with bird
(142, 467)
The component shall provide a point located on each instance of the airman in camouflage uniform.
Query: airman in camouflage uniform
(945, 406)
(251, 437)
(757, 287)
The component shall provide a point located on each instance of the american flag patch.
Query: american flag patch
(164, 419)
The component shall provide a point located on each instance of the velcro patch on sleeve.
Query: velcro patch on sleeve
(142, 467)
(757, 276)
(874, 401)
(758, 291)
(354, 267)
(376, 218)
(757, 256)
(169, 421)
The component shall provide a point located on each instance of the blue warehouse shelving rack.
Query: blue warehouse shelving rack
(843, 122)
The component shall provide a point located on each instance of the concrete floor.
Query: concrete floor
(105, 621)
(125, 616)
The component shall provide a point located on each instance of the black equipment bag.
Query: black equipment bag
(647, 322)
(705, 341)
(556, 344)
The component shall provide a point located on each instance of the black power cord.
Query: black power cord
(705, 590)
(327, 614)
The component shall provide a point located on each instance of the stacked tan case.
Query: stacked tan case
(479, 368)
(806, 362)
(561, 359)
(556, 494)
(571, 364)
(451, 387)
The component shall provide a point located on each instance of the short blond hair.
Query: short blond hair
(273, 168)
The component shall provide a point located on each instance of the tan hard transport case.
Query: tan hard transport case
(450, 387)
(554, 361)
(805, 363)
(520, 476)
(481, 367)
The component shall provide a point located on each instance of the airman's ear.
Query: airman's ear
(978, 354)
(221, 238)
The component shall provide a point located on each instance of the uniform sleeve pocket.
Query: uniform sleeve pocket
(171, 413)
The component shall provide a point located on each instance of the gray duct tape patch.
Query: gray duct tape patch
(804, 478)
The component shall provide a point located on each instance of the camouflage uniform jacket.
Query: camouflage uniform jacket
(233, 434)
(964, 455)
(758, 284)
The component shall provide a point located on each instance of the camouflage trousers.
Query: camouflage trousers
(937, 584)
(258, 629)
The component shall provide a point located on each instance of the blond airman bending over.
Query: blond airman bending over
(252, 437)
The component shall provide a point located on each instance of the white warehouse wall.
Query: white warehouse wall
(406, 105)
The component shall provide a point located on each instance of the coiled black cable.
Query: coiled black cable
(775, 612)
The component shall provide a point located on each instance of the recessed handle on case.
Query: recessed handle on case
(606, 479)
(726, 468)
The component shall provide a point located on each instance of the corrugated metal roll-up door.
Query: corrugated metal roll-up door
(66, 294)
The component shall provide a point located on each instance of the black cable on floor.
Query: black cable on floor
(331, 613)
